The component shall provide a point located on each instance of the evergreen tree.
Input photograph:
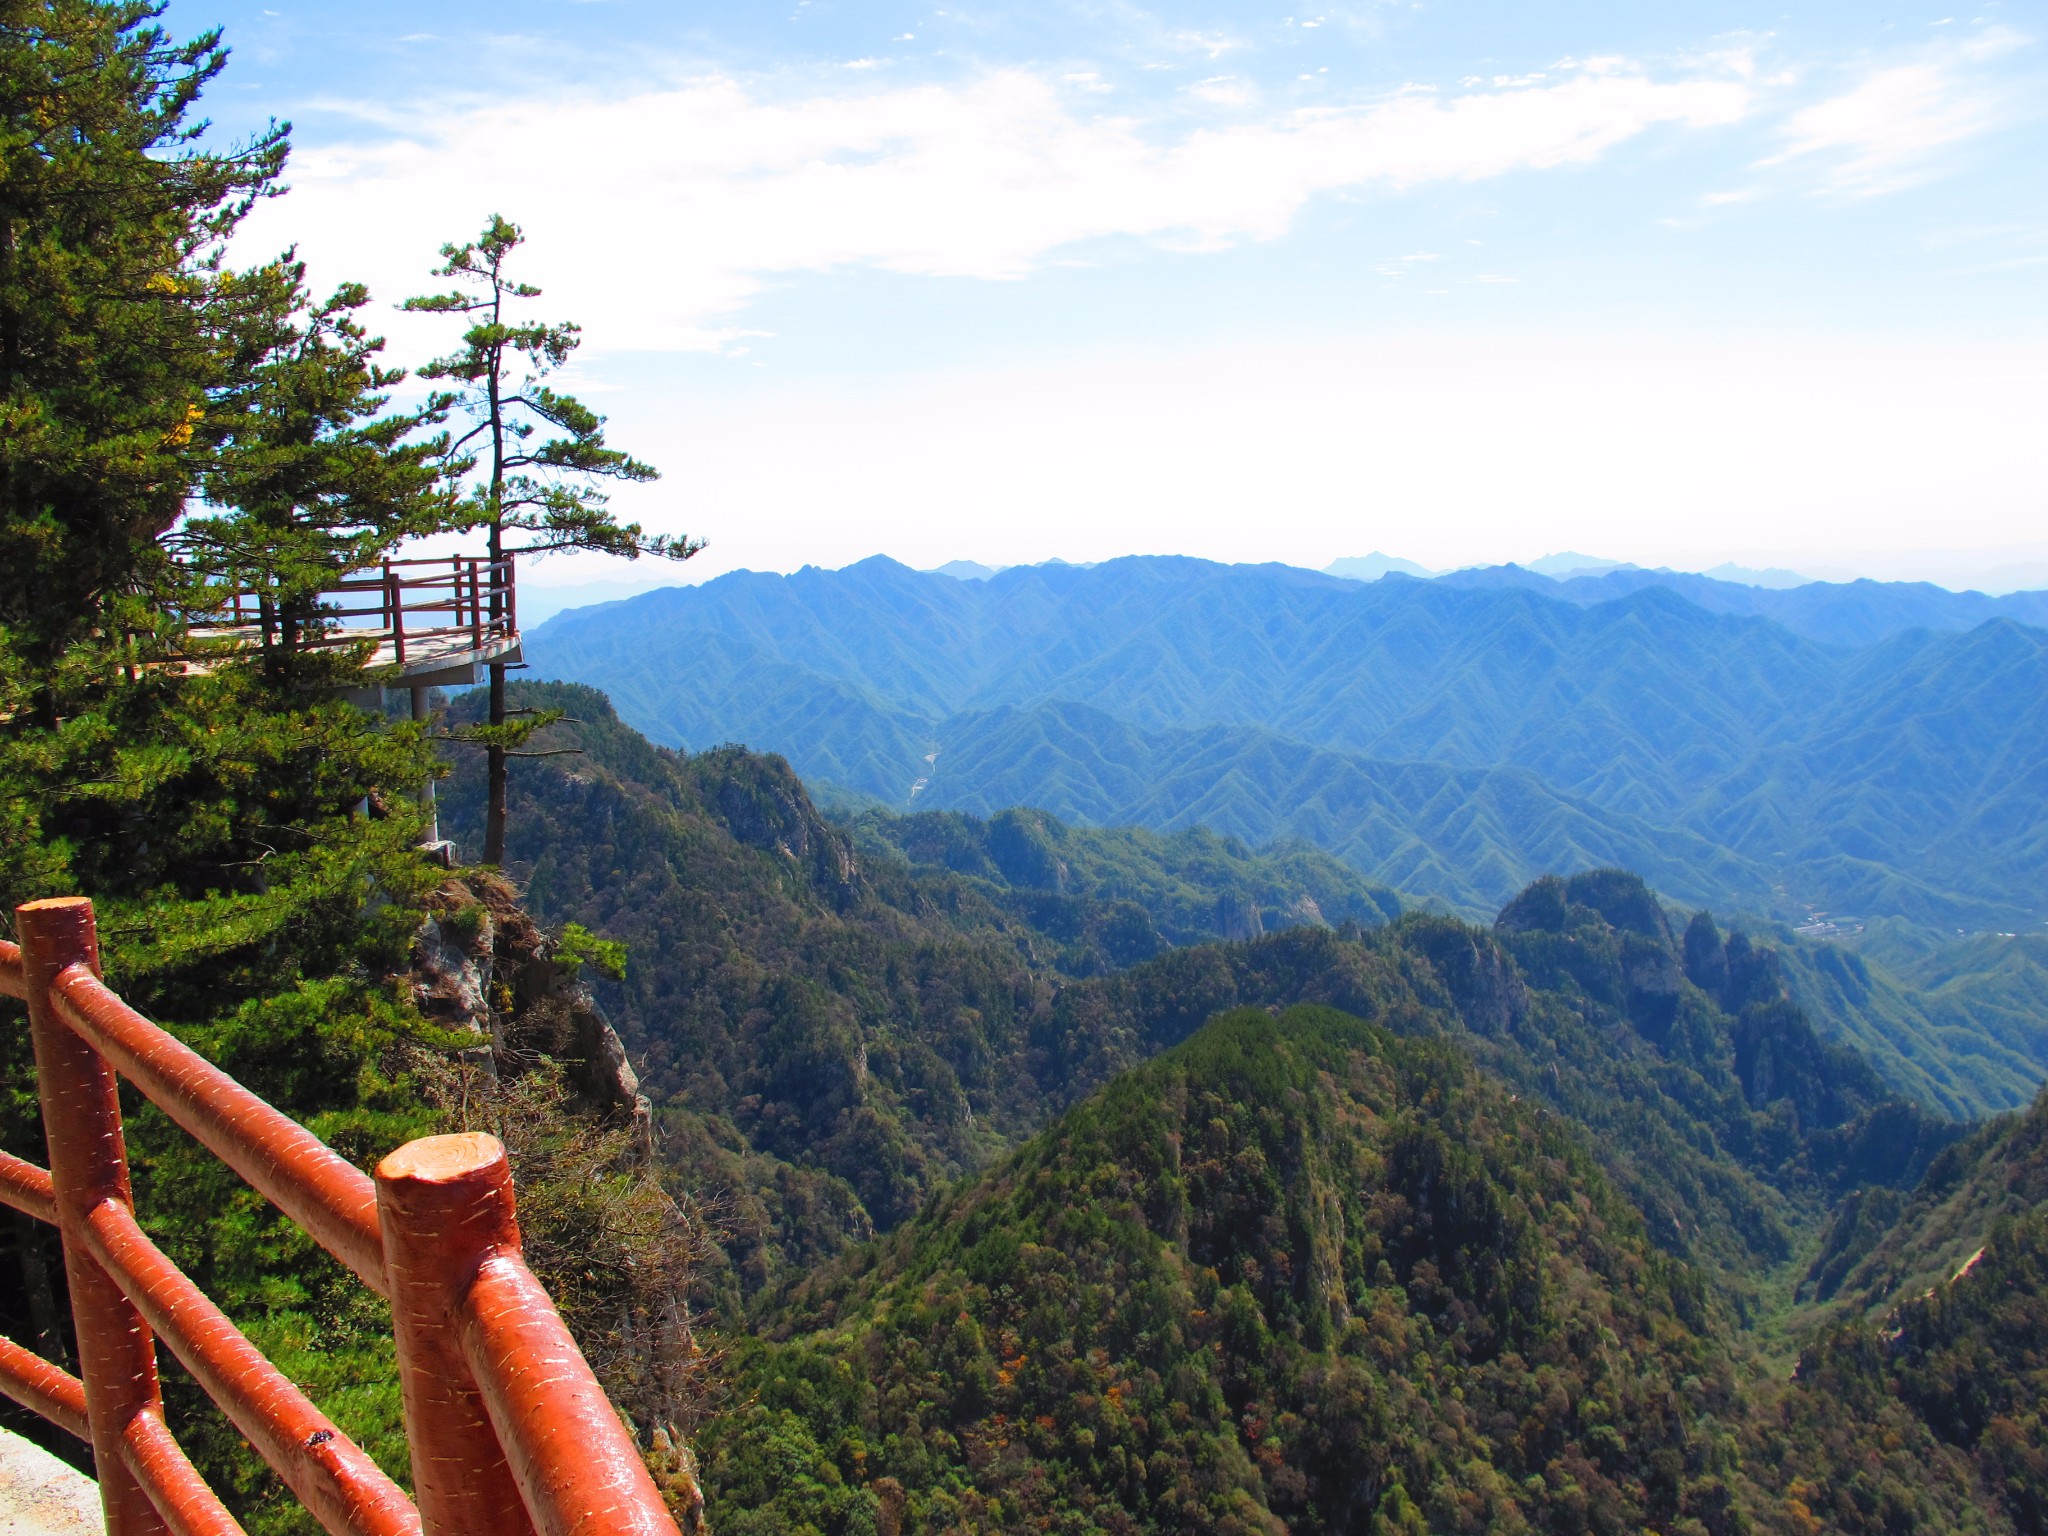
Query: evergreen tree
(312, 482)
(113, 305)
(541, 456)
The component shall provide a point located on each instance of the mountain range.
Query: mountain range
(1451, 738)
(1049, 1193)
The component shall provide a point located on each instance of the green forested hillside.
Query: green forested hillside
(848, 1031)
(1296, 1274)
(1450, 741)
(1959, 1022)
(1929, 1363)
(832, 1035)
(829, 1036)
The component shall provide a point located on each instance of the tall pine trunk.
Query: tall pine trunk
(494, 750)
(494, 775)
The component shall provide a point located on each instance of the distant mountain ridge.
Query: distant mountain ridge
(1851, 613)
(1448, 738)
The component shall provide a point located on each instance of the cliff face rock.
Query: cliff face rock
(1022, 850)
(1649, 972)
(1237, 918)
(1485, 988)
(482, 965)
(764, 805)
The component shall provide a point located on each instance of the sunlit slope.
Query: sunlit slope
(1296, 1274)
(1968, 1031)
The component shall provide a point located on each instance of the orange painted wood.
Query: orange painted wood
(579, 1470)
(43, 1388)
(153, 1457)
(88, 1165)
(446, 1204)
(12, 982)
(286, 1163)
(28, 1188)
(510, 1433)
(333, 1477)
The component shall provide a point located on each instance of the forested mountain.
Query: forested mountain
(1295, 1275)
(1450, 741)
(867, 1027)
(1961, 1023)
(828, 1036)
(1298, 1274)
(1434, 1226)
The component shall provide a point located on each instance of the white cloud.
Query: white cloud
(657, 215)
(1884, 132)
(1224, 91)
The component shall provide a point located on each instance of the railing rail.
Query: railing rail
(509, 1430)
(414, 600)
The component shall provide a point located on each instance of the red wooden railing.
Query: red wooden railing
(509, 1431)
(402, 601)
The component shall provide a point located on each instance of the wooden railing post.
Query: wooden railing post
(89, 1165)
(446, 1206)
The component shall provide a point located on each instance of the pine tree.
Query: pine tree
(113, 305)
(311, 482)
(540, 456)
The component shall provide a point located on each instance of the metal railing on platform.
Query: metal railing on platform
(402, 602)
(509, 1431)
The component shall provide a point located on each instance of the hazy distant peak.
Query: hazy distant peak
(1567, 563)
(965, 570)
(1373, 566)
(1773, 577)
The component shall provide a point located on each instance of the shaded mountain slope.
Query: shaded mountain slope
(1190, 886)
(1970, 1037)
(1880, 1250)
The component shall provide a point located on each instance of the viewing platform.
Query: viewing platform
(435, 623)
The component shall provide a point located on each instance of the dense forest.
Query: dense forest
(1132, 1320)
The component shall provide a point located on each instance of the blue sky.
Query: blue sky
(1678, 283)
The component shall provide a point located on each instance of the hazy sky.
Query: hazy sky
(1459, 281)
